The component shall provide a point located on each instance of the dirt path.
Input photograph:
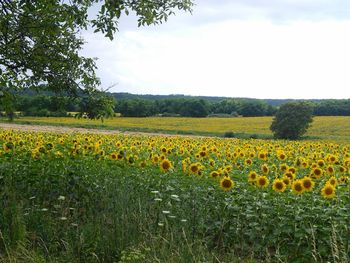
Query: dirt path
(63, 129)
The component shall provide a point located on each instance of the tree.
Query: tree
(40, 40)
(292, 120)
(7, 104)
(97, 105)
(194, 108)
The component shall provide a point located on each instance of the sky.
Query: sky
(276, 49)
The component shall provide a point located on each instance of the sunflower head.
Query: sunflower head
(165, 165)
(113, 156)
(317, 173)
(307, 183)
(262, 181)
(328, 191)
(226, 183)
(278, 185)
(298, 187)
(332, 181)
(252, 176)
(194, 168)
(265, 169)
(214, 174)
(286, 180)
(330, 169)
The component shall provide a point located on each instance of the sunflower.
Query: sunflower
(262, 156)
(211, 162)
(265, 169)
(332, 181)
(203, 154)
(297, 187)
(262, 181)
(320, 163)
(155, 158)
(283, 167)
(332, 158)
(165, 165)
(316, 173)
(194, 168)
(286, 180)
(343, 179)
(8, 146)
(214, 174)
(281, 156)
(292, 170)
(252, 176)
(113, 156)
(342, 169)
(226, 183)
(330, 169)
(163, 149)
(328, 191)
(248, 162)
(278, 185)
(307, 183)
(290, 175)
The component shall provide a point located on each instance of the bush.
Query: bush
(229, 134)
(292, 120)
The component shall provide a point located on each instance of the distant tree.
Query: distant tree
(136, 108)
(195, 108)
(292, 120)
(253, 108)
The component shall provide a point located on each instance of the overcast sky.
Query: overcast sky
(239, 48)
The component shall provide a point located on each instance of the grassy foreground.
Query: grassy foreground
(118, 198)
(326, 128)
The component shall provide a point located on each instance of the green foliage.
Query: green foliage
(292, 120)
(97, 105)
(7, 104)
(40, 41)
(72, 210)
(332, 108)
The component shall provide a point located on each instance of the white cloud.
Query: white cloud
(236, 58)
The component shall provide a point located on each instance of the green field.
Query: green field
(326, 128)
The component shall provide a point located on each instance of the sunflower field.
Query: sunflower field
(132, 198)
(323, 127)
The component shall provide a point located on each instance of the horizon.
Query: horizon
(226, 97)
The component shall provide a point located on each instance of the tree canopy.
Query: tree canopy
(292, 120)
(40, 40)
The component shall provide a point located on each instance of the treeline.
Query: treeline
(48, 105)
(188, 107)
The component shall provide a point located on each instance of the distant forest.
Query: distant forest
(131, 105)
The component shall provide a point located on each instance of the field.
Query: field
(326, 128)
(130, 198)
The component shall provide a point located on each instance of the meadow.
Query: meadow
(325, 128)
(127, 198)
